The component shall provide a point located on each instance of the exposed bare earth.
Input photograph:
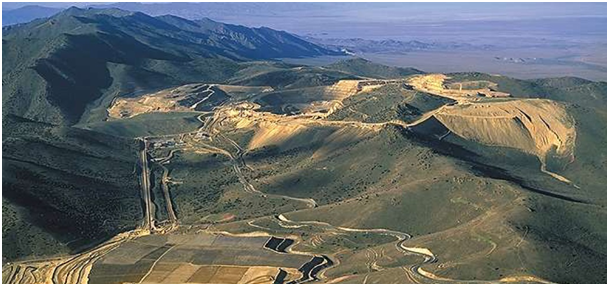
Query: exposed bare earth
(434, 84)
(535, 126)
(182, 98)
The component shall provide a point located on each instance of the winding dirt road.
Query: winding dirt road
(194, 106)
(415, 272)
(239, 161)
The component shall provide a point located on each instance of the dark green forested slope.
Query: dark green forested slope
(64, 188)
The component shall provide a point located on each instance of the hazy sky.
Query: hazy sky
(418, 11)
(479, 22)
(572, 35)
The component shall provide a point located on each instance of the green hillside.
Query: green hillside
(365, 68)
(569, 89)
(289, 77)
(64, 189)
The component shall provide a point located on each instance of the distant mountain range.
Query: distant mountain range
(27, 13)
(191, 11)
(54, 67)
(359, 45)
(194, 11)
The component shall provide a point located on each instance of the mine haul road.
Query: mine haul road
(164, 185)
(145, 183)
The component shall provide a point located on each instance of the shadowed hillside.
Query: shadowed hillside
(64, 189)
(54, 68)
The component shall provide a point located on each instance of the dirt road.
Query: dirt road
(194, 106)
(164, 185)
(415, 272)
(145, 184)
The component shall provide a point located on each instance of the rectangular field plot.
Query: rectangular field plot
(192, 239)
(130, 253)
(248, 257)
(259, 275)
(114, 273)
(181, 274)
(193, 258)
(160, 272)
(181, 255)
(244, 242)
(228, 274)
(158, 240)
(126, 273)
(204, 274)
(189, 273)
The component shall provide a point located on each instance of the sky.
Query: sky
(557, 32)
(420, 11)
(477, 22)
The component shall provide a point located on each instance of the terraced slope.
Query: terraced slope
(539, 127)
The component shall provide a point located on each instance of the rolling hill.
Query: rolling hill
(367, 68)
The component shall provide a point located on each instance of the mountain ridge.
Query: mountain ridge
(65, 65)
(26, 14)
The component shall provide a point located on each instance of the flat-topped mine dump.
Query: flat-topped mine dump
(190, 97)
(436, 84)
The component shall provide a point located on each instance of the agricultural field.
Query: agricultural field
(197, 258)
